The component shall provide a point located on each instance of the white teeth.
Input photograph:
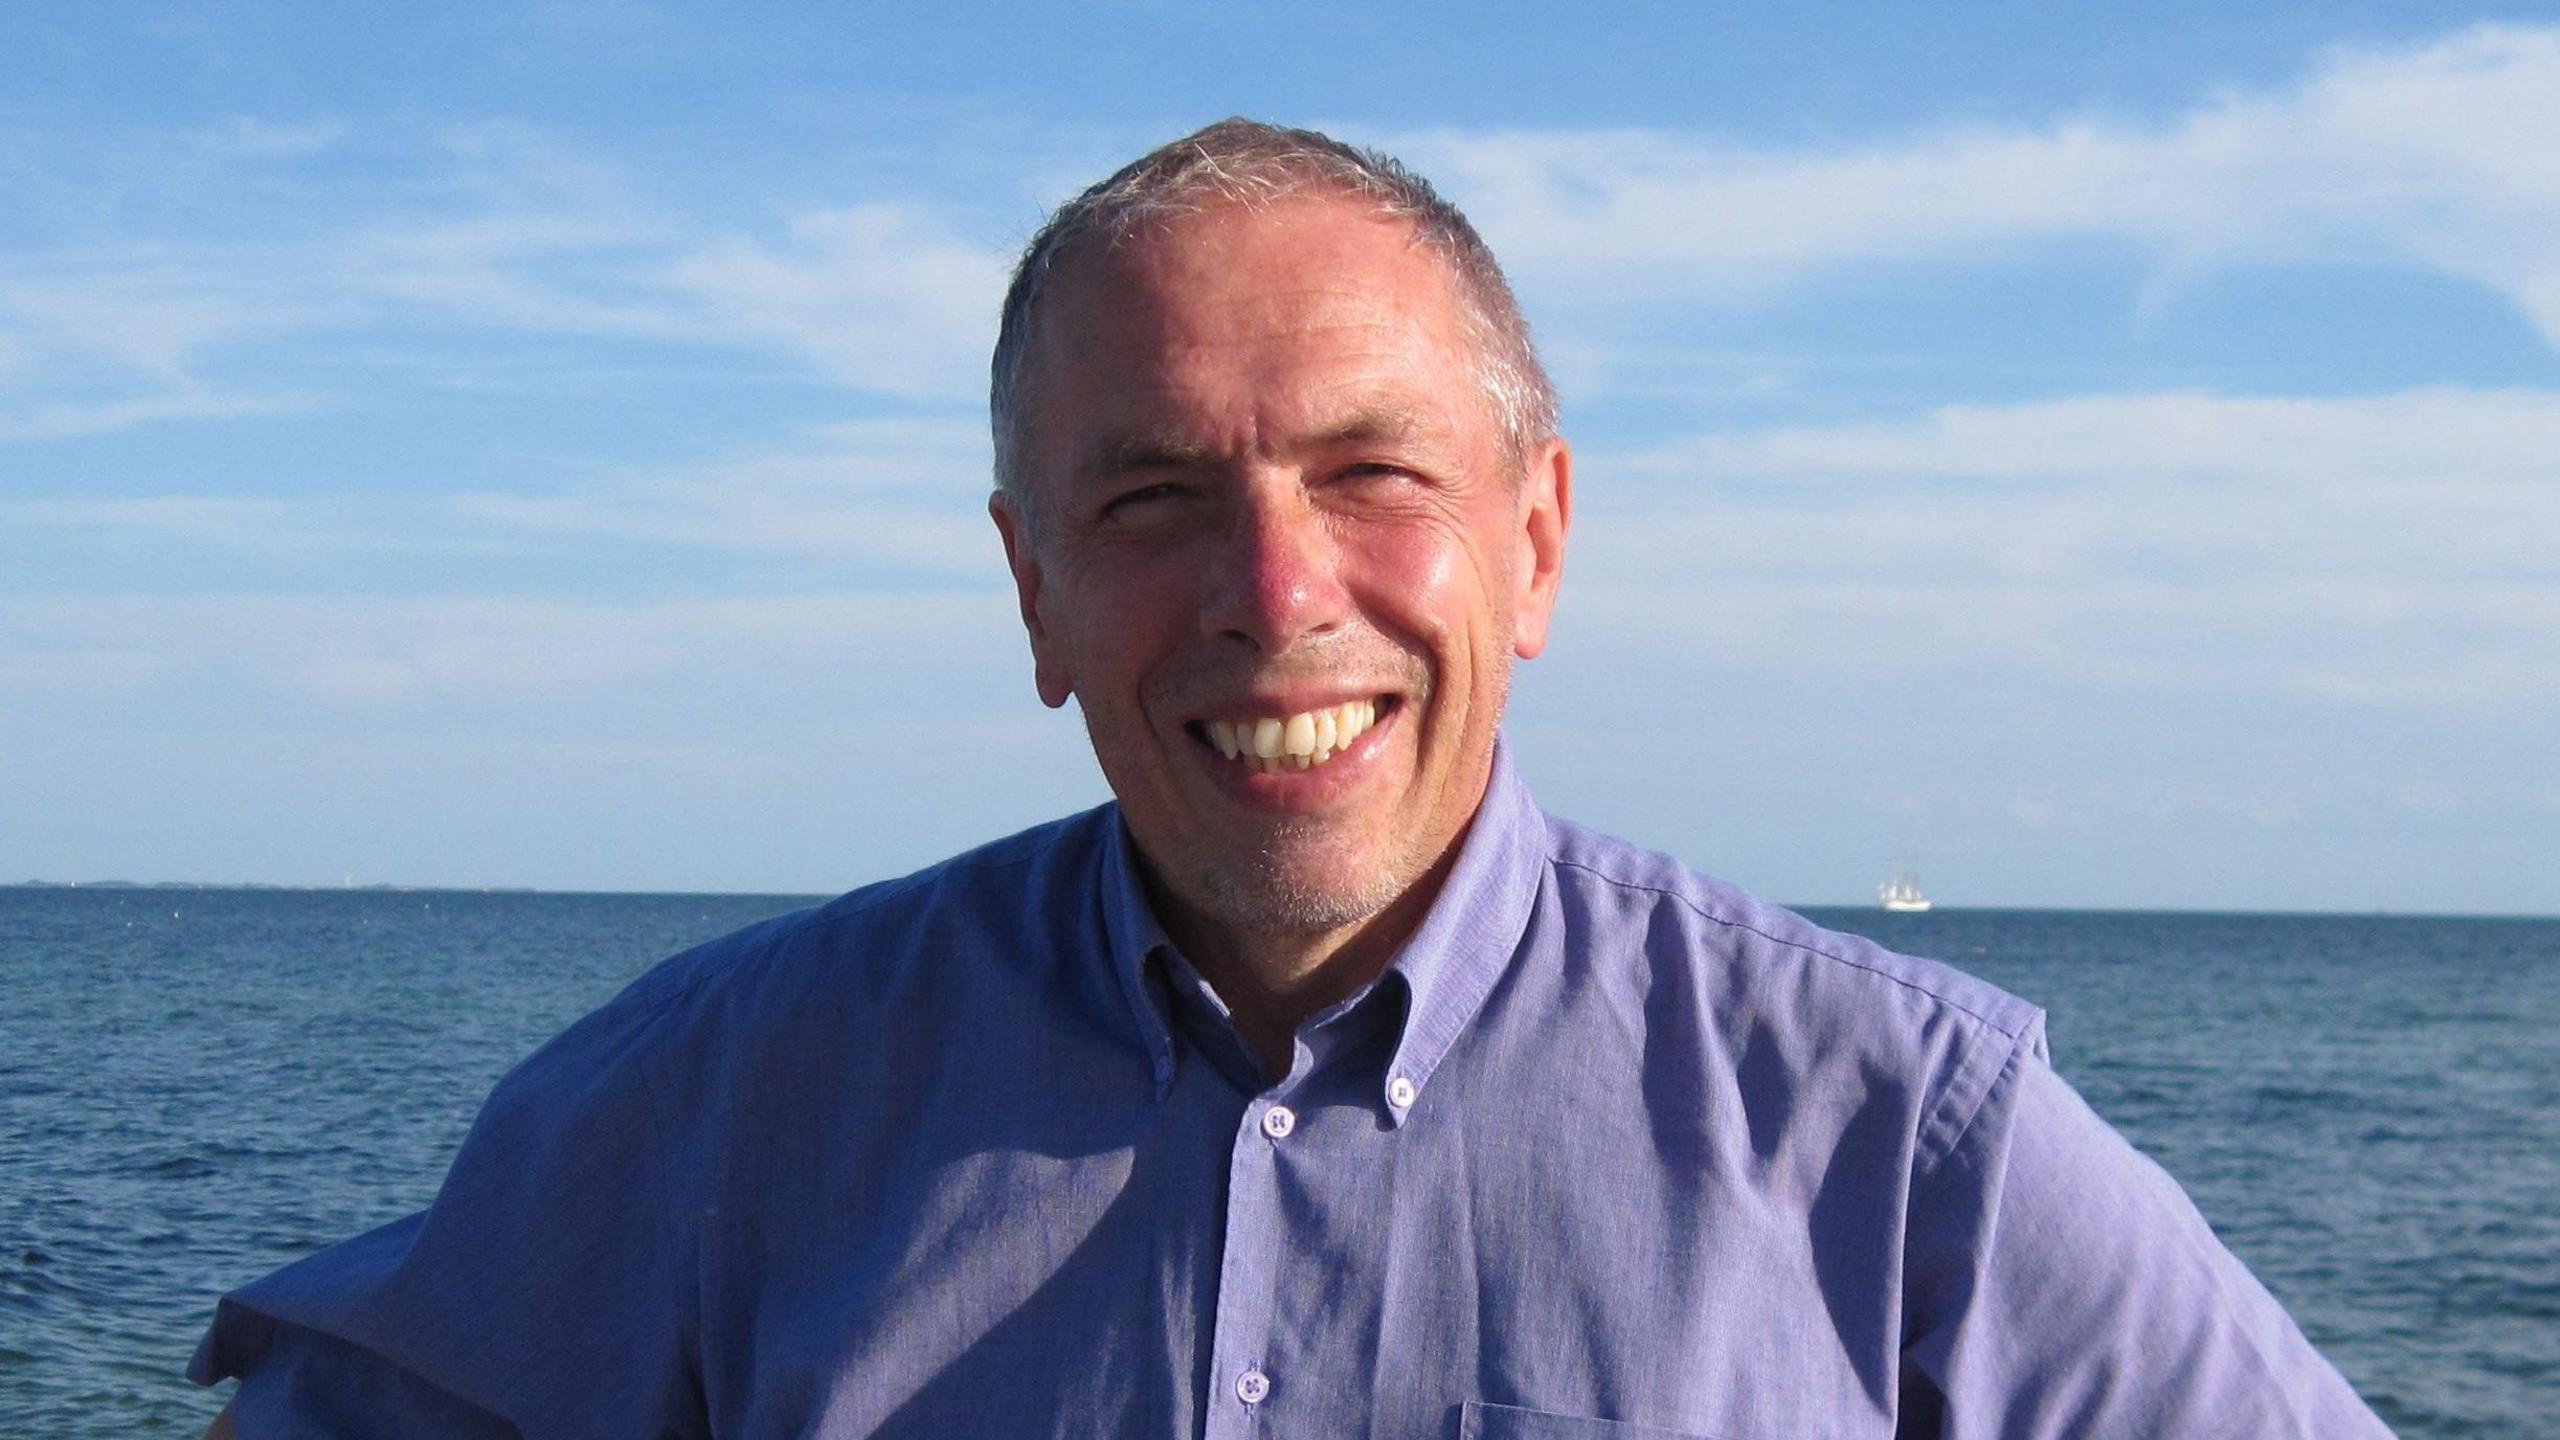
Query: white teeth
(1299, 737)
(1293, 742)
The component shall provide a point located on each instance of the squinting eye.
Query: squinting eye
(1138, 497)
(1376, 480)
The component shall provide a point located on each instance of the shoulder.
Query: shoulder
(1741, 975)
(1008, 901)
(1730, 928)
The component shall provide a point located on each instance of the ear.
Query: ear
(1546, 513)
(1048, 665)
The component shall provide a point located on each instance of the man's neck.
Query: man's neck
(1272, 982)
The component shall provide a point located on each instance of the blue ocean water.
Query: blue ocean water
(197, 1085)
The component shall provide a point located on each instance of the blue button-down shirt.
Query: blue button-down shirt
(1611, 1150)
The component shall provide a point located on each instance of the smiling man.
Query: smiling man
(1322, 1085)
(1275, 532)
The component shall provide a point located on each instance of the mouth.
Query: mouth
(1302, 740)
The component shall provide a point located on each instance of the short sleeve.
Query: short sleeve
(2061, 1284)
(544, 1293)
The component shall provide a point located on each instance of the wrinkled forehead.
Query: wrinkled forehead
(1301, 304)
(1247, 260)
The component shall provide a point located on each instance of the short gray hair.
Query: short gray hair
(1251, 164)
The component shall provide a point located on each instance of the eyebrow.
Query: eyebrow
(1386, 422)
(1378, 423)
(1144, 450)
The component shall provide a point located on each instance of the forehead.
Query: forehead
(1248, 325)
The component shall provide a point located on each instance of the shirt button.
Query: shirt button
(1277, 1122)
(1400, 1092)
(1253, 1387)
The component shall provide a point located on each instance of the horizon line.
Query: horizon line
(1867, 906)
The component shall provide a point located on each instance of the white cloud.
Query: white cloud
(2393, 548)
(133, 527)
(249, 136)
(882, 500)
(881, 297)
(188, 517)
(536, 271)
(51, 418)
(900, 495)
(2434, 156)
(435, 653)
(492, 228)
(2507, 437)
(143, 309)
(2438, 156)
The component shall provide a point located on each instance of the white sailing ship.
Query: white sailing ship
(1902, 892)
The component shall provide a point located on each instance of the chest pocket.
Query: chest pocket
(1479, 1421)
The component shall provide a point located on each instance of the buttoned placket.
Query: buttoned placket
(1249, 1270)
(1277, 1137)
(1250, 1392)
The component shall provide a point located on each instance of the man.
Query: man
(1322, 1085)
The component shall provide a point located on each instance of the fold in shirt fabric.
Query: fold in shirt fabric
(1611, 1150)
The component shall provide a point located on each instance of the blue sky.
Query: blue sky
(2097, 458)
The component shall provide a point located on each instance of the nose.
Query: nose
(1276, 577)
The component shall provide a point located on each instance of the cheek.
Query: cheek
(1127, 616)
(1427, 589)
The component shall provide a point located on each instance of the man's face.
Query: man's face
(1274, 503)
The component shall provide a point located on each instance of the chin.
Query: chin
(1274, 896)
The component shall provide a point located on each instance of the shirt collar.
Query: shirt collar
(1131, 931)
(1449, 966)
(1466, 943)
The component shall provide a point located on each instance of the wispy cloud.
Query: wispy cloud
(878, 497)
(439, 652)
(2443, 477)
(248, 135)
(2384, 548)
(188, 517)
(142, 313)
(889, 502)
(883, 297)
(52, 418)
(490, 228)
(2378, 549)
(2431, 157)
(2437, 157)
(534, 271)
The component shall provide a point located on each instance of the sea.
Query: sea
(197, 1085)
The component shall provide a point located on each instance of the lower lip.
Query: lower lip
(1298, 792)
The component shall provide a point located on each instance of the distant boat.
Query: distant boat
(1902, 892)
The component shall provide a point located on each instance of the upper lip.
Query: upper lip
(1293, 702)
